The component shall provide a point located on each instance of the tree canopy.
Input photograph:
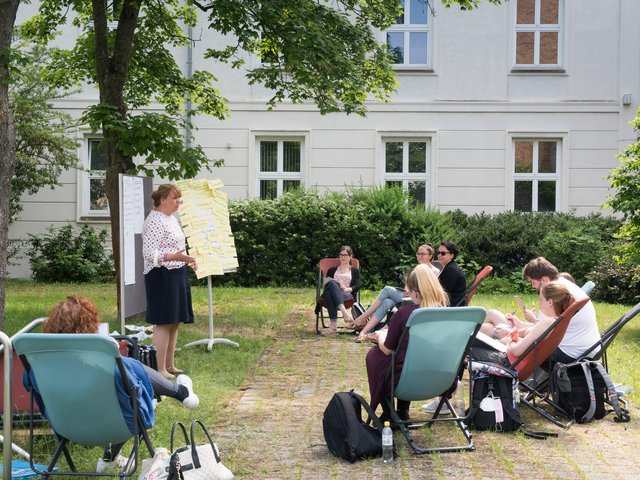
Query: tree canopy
(626, 199)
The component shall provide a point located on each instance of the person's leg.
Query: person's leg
(493, 318)
(171, 349)
(161, 338)
(181, 389)
(333, 296)
(345, 313)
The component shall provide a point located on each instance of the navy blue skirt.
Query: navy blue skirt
(168, 296)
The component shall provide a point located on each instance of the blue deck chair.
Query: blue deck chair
(75, 377)
(439, 340)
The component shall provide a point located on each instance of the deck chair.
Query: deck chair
(74, 375)
(438, 341)
(535, 355)
(598, 351)
(588, 287)
(323, 267)
(471, 289)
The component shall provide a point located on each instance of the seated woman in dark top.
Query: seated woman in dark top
(342, 282)
(452, 277)
(425, 291)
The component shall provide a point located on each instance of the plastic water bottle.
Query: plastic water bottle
(458, 400)
(387, 443)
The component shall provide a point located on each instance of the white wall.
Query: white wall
(471, 105)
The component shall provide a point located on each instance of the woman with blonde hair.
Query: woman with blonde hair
(425, 291)
(555, 298)
(389, 297)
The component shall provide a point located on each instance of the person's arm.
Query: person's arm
(517, 346)
(153, 233)
(355, 282)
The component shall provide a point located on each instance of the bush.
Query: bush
(507, 241)
(279, 242)
(616, 283)
(70, 256)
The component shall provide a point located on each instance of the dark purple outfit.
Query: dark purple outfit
(378, 363)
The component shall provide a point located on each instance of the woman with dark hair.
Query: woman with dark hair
(342, 282)
(452, 277)
(389, 297)
(165, 275)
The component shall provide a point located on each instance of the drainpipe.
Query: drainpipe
(189, 75)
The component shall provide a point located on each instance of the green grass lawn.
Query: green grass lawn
(252, 317)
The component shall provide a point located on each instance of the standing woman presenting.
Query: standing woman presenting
(165, 275)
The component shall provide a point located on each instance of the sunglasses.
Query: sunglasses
(420, 254)
(442, 254)
(345, 255)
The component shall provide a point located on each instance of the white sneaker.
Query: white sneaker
(114, 465)
(192, 401)
(433, 405)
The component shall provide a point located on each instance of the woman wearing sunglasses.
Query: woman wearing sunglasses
(389, 297)
(452, 277)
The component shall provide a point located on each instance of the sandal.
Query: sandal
(175, 371)
(354, 325)
(360, 338)
(327, 332)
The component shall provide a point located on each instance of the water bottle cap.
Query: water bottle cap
(386, 424)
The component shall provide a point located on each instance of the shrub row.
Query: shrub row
(279, 243)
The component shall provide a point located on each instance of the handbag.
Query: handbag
(197, 462)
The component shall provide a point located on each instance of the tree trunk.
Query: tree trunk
(8, 10)
(111, 69)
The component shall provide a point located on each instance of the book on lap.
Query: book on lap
(492, 342)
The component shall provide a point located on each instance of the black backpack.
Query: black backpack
(347, 436)
(582, 388)
(487, 387)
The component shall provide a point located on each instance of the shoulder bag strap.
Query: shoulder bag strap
(592, 395)
(622, 414)
(184, 432)
(372, 415)
(194, 451)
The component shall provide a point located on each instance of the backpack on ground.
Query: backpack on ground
(495, 402)
(582, 388)
(347, 436)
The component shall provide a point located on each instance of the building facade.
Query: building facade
(522, 106)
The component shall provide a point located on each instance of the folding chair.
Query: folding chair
(535, 355)
(598, 351)
(74, 377)
(471, 289)
(588, 287)
(439, 339)
(323, 267)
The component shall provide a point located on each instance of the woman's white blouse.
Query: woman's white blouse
(161, 234)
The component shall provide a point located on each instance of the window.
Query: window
(94, 180)
(537, 33)
(536, 175)
(279, 166)
(409, 39)
(406, 165)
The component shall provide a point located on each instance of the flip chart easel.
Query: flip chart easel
(205, 220)
(211, 341)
